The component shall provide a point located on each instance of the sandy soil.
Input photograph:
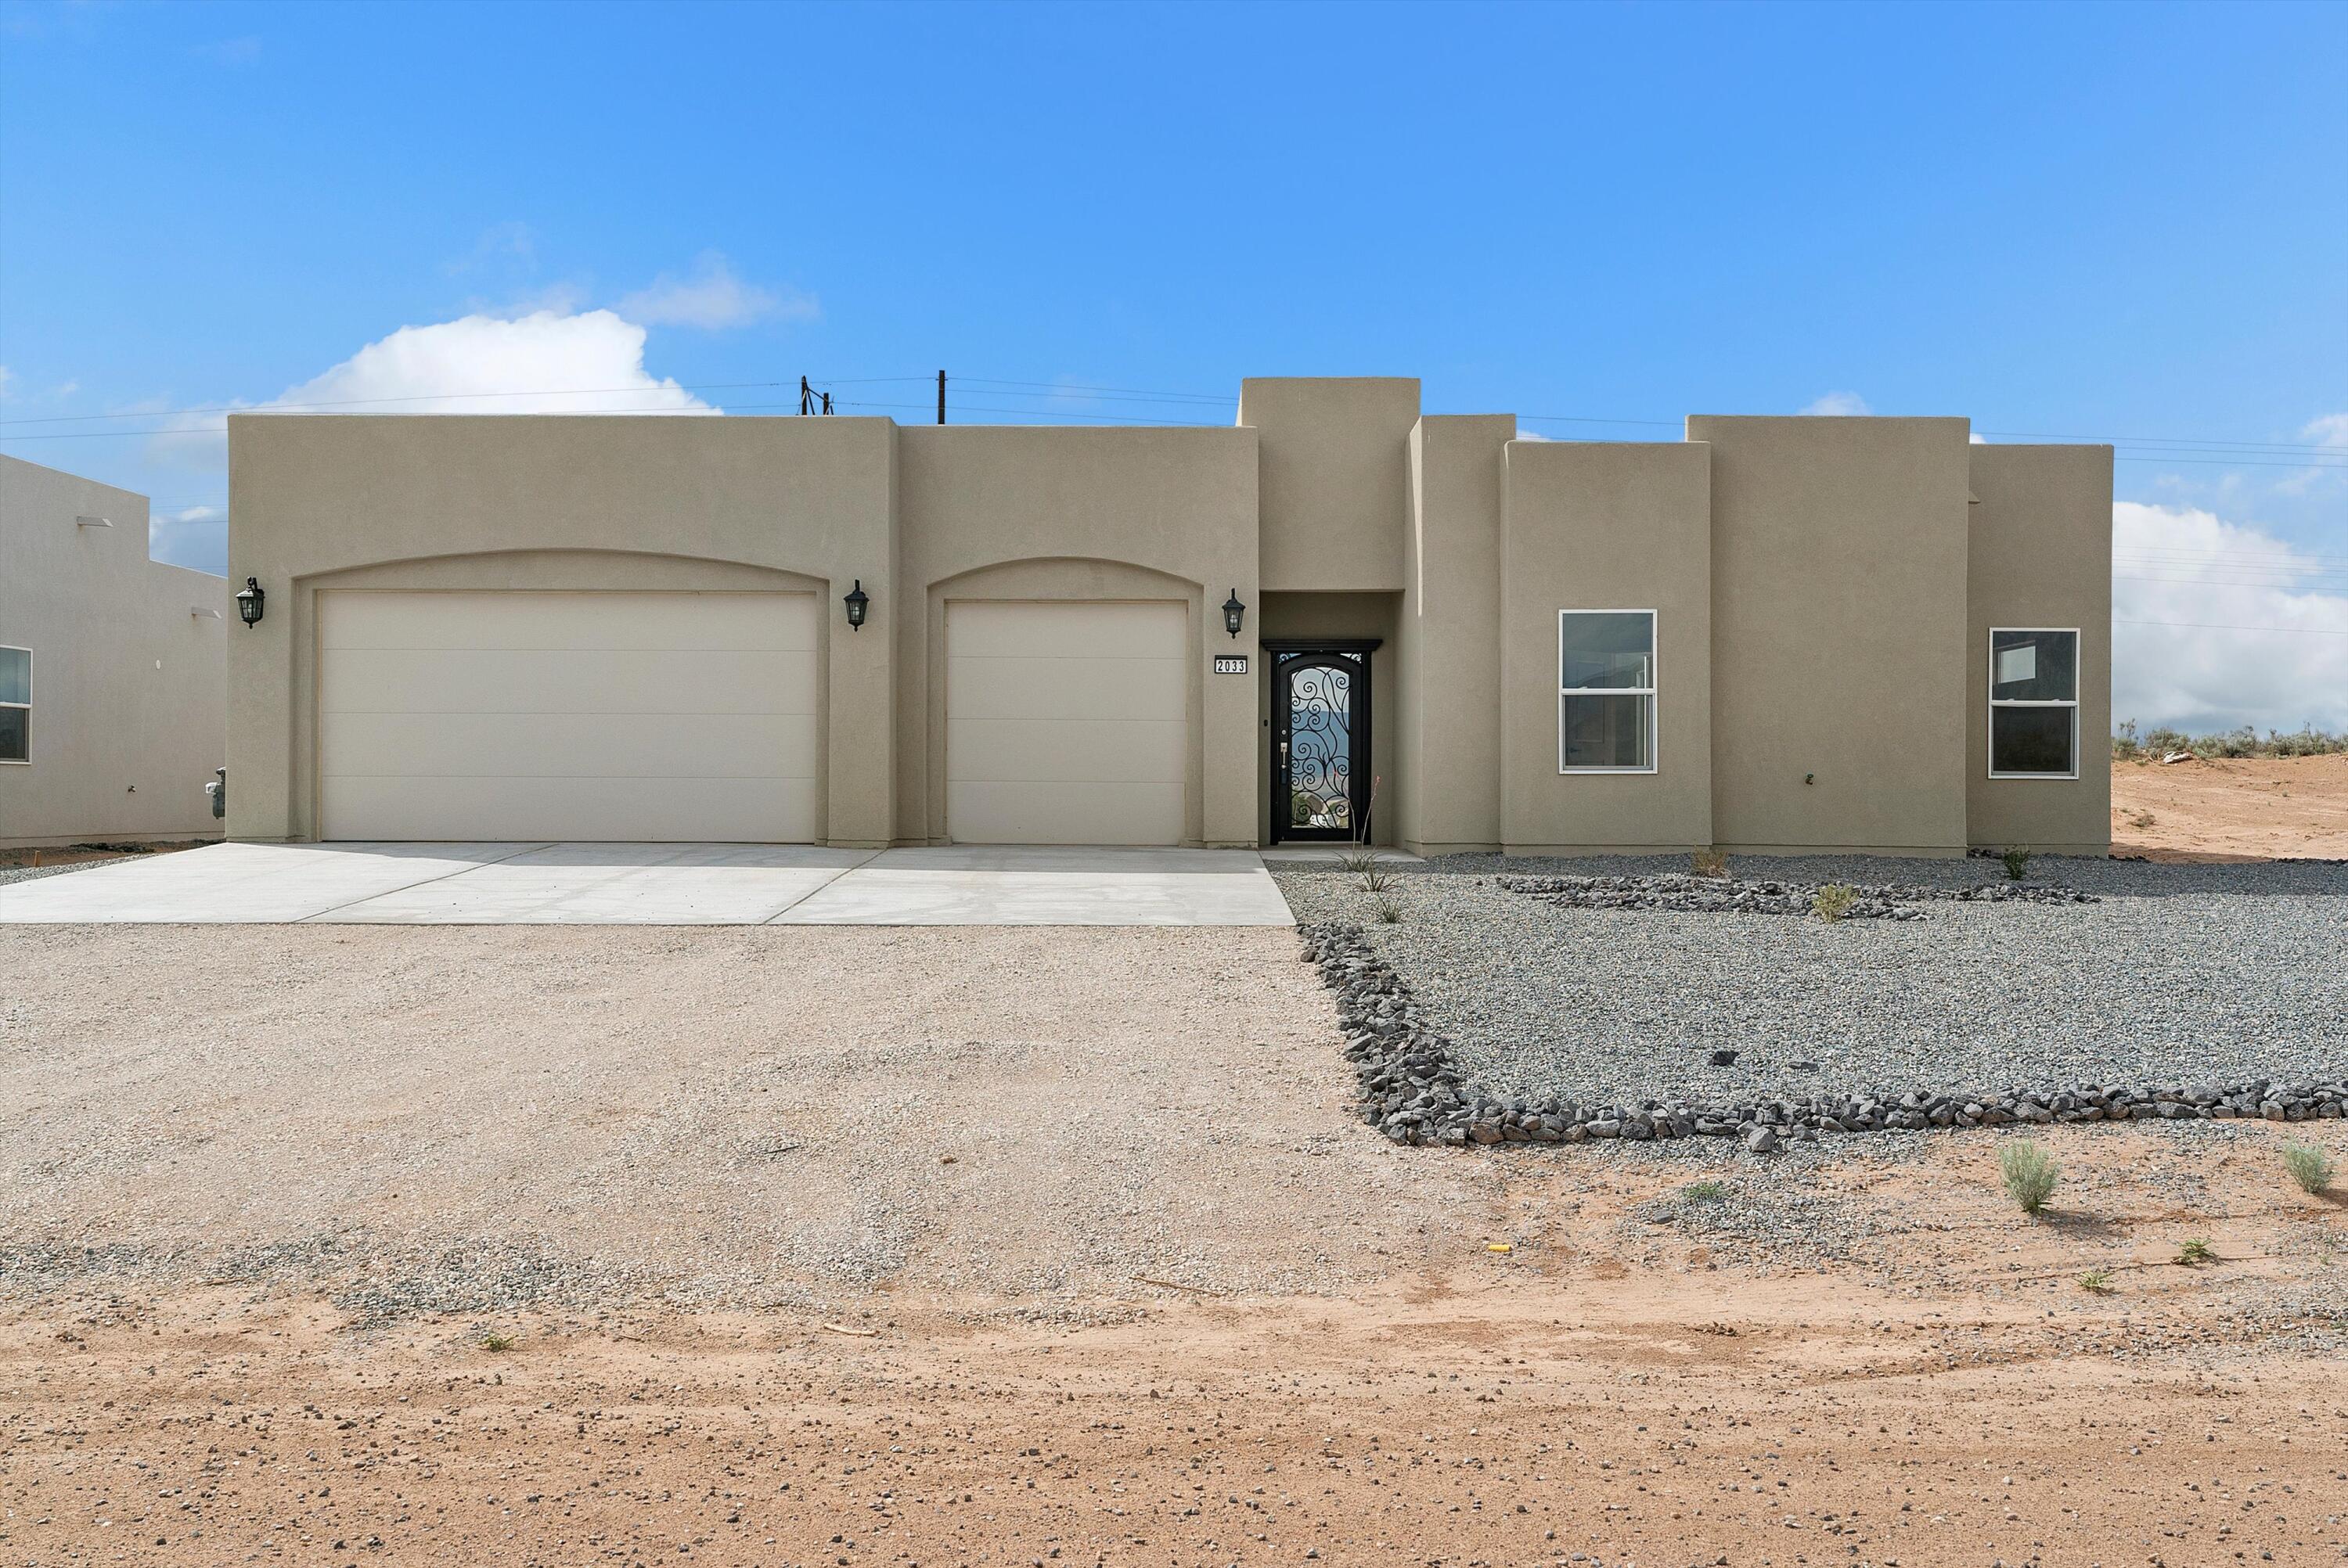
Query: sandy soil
(1605, 1388)
(531, 1245)
(2248, 809)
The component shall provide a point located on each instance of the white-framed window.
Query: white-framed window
(2034, 702)
(1606, 690)
(16, 704)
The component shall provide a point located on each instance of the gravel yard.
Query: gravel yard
(484, 1118)
(2177, 975)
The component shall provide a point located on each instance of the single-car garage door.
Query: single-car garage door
(1065, 723)
(609, 716)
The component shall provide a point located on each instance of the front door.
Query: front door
(1320, 782)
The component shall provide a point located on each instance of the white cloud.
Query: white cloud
(2332, 430)
(1839, 404)
(191, 536)
(712, 297)
(2212, 589)
(544, 362)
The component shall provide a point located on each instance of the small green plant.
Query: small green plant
(2309, 1166)
(497, 1343)
(1389, 910)
(2029, 1173)
(1366, 864)
(1704, 1192)
(2195, 1253)
(2097, 1282)
(1833, 901)
(1710, 862)
(2017, 862)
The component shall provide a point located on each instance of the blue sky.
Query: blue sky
(2090, 221)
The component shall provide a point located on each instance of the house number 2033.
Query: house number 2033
(1230, 664)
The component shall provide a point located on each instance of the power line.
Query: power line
(2214, 626)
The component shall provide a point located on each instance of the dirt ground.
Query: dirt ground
(2250, 808)
(1607, 1389)
(532, 1245)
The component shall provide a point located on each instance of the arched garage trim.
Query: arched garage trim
(527, 570)
(1064, 578)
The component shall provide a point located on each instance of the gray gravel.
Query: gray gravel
(2177, 975)
(35, 873)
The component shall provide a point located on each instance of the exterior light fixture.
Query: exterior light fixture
(856, 599)
(1233, 613)
(248, 601)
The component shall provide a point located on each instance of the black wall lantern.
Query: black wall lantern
(1233, 613)
(248, 601)
(856, 599)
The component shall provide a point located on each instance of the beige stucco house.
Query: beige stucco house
(113, 677)
(1778, 634)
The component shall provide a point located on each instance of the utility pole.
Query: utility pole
(941, 397)
(811, 401)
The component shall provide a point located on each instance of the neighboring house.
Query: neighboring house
(112, 678)
(1779, 634)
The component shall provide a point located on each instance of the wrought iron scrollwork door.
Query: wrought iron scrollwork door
(1320, 782)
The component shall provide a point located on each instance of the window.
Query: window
(1606, 690)
(16, 704)
(2034, 703)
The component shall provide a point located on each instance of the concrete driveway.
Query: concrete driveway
(658, 885)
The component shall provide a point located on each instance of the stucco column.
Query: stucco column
(1232, 810)
(860, 737)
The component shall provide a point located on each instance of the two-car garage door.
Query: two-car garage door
(604, 716)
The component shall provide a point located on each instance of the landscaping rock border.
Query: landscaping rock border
(1413, 1092)
(1722, 895)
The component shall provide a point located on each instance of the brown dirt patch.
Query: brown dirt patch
(2250, 809)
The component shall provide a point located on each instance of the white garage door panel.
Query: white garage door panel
(582, 810)
(548, 680)
(1066, 722)
(1031, 813)
(750, 622)
(1092, 751)
(1078, 688)
(616, 716)
(596, 745)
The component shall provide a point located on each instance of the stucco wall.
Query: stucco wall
(2040, 556)
(1838, 636)
(1607, 526)
(325, 501)
(1334, 465)
(128, 684)
(1449, 633)
(1043, 512)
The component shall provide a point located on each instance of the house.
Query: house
(112, 675)
(1340, 617)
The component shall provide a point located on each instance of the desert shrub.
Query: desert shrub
(2308, 1166)
(1710, 863)
(1704, 1192)
(2097, 1282)
(2196, 1252)
(1388, 909)
(2029, 1173)
(2307, 741)
(1833, 901)
(2141, 819)
(2017, 862)
(496, 1342)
